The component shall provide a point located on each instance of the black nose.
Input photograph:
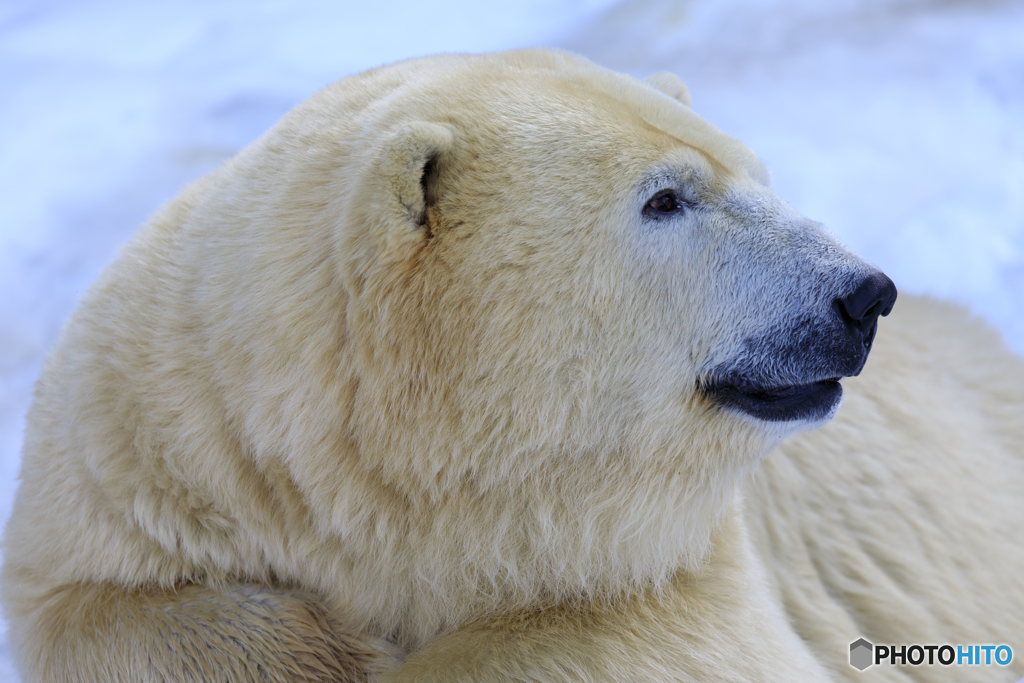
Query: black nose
(873, 296)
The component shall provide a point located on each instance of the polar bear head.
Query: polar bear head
(517, 325)
(572, 256)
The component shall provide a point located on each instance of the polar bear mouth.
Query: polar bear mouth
(782, 403)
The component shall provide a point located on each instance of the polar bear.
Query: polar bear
(470, 369)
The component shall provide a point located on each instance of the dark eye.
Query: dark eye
(662, 204)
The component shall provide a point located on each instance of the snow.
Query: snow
(897, 123)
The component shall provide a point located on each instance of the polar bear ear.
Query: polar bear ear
(670, 84)
(409, 161)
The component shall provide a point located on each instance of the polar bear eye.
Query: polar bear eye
(663, 204)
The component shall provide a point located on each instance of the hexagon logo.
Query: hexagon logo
(861, 654)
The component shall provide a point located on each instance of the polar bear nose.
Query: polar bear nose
(873, 296)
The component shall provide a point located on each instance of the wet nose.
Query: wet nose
(871, 297)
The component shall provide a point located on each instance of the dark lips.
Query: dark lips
(812, 401)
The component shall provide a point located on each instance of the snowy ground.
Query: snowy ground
(898, 123)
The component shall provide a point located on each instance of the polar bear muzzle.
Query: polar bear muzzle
(834, 349)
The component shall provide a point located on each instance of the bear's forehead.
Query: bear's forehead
(538, 99)
(564, 100)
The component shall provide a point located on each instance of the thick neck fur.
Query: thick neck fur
(459, 552)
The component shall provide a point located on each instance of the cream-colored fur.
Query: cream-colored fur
(897, 521)
(409, 388)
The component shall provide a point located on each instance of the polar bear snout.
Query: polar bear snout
(791, 373)
(872, 297)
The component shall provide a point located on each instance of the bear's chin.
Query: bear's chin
(812, 404)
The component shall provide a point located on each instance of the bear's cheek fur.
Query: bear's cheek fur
(470, 353)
